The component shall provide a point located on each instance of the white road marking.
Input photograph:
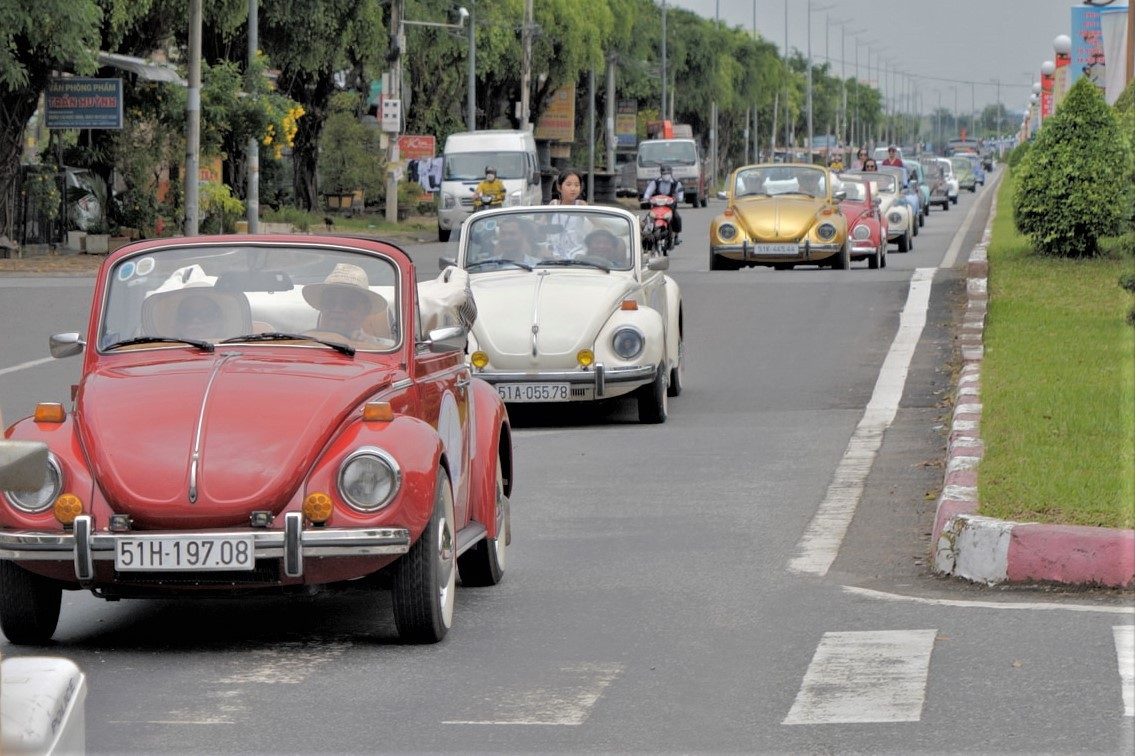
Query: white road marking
(951, 257)
(286, 663)
(821, 541)
(865, 677)
(567, 699)
(25, 365)
(1125, 659)
(1033, 606)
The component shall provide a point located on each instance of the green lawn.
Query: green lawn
(1057, 386)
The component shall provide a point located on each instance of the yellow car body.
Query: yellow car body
(781, 215)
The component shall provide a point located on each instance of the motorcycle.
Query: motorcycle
(657, 233)
(486, 202)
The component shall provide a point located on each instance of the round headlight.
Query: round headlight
(861, 233)
(628, 343)
(895, 217)
(369, 478)
(727, 232)
(826, 231)
(44, 497)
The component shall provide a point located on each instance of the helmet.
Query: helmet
(490, 169)
(665, 171)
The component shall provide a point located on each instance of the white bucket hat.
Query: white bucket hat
(344, 276)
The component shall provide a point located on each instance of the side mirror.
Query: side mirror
(840, 195)
(447, 339)
(658, 263)
(444, 262)
(722, 195)
(65, 344)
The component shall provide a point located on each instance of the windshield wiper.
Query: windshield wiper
(338, 346)
(497, 261)
(205, 346)
(576, 261)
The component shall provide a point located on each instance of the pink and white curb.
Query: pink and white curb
(985, 550)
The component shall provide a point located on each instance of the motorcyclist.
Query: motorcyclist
(672, 187)
(491, 187)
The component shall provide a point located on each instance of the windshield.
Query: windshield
(770, 180)
(667, 152)
(210, 293)
(470, 166)
(854, 189)
(550, 237)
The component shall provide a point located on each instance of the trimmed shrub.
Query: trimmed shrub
(1017, 154)
(1125, 115)
(1074, 185)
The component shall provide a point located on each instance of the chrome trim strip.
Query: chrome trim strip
(195, 455)
(293, 551)
(600, 379)
(84, 563)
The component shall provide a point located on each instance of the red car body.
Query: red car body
(297, 459)
(866, 227)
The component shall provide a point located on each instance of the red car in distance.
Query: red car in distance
(263, 414)
(866, 226)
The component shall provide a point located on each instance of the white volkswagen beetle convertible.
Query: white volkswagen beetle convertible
(570, 308)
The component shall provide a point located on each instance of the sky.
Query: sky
(954, 47)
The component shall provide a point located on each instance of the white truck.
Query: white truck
(684, 159)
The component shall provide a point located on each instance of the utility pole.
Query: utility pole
(397, 11)
(471, 72)
(662, 110)
(811, 140)
(193, 118)
(526, 71)
(787, 77)
(252, 156)
(713, 113)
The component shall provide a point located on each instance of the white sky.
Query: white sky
(949, 45)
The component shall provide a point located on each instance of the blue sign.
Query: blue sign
(78, 103)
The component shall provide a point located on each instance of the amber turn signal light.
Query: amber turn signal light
(379, 412)
(50, 412)
(67, 507)
(317, 507)
(585, 357)
(479, 359)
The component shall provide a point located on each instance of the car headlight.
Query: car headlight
(369, 478)
(826, 231)
(895, 217)
(628, 343)
(513, 199)
(448, 202)
(42, 498)
(726, 232)
(861, 233)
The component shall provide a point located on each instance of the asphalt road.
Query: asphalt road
(658, 598)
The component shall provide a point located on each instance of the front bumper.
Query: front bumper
(84, 546)
(591, 383)
(806, 251)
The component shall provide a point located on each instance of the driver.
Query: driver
(345, 301)
(671, 187)
(602, 243)
(517, 239)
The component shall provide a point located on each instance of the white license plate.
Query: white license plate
(534, 392)
(775, 249)
(190, 553)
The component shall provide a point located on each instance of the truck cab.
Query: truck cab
(683, 157)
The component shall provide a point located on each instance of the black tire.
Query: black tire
(693, 200)
(875, 260)
(29, 605)
(484, 563)
(443, 234)
(954, 200)
(652, 399)
(704, 201)
(722, 263)
(922, 218)
(946, 205)
(678, 372)
(425, 578)
(883, 255)
(842, 261)
(905, 241)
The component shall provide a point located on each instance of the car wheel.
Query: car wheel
(842, 261)
(904, 242)
(721, 263)
(875, 259)
(883, 255)
(484, 563)
(704, 201)
(954, 200)
(922, 218)
(442, 234)
(678, 372)
(694, 200)
(652, 399)
(29, 605)
(425, 579)
(946, 205)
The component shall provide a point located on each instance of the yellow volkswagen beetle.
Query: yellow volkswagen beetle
(781, 215)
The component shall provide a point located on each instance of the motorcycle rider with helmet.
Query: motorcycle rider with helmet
(492, 188)
(672, 187)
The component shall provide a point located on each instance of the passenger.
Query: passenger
(566, 239)
(199, 317)
(345, 301)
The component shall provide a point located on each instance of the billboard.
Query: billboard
(73, 102)
(557, 124)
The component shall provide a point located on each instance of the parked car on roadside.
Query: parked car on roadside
(780, 215)
(281, 414)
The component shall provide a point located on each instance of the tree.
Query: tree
(1075, 182)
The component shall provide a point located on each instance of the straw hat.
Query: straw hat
(344, 276)
(160, 310)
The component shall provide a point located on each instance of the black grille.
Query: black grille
(267, 571)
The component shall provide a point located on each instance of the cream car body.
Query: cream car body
(557, 324)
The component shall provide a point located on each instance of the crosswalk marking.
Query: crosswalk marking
(1125, 658)
(865, 677)
(567, 699)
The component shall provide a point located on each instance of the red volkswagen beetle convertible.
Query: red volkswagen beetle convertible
(867, 228)
(263, 414)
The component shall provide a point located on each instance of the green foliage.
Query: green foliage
(1017, 154)
(350, 157)
(1125, 116)
(301, 220)
(1074, 185)
(41, 187)
(219, 208)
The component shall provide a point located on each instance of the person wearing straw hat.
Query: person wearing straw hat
(345, 301)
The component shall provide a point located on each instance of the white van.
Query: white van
(683, 157)
(465, 157)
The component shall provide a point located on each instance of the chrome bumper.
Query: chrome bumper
(806, 250)
(83, 546)
(597, 377)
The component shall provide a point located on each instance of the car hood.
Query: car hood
(261, 424)
(777, 218)
(562, 310)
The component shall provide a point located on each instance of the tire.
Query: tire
(954, 200)
(693, 200)
(946, 205)
(29, 605)
(678, 372)
(875, 260)
(883, 255)
(842, 261)
(652, 399)
(443, 234)
(425, 579)
(922, 218)
(704, 201)
(484, 563)
(905, 242)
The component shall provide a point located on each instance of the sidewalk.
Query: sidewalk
(985, 550)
